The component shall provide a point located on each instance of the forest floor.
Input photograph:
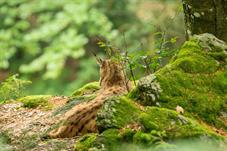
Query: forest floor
(22, 126)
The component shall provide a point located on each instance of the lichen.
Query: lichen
(210, 42)
(147, 90)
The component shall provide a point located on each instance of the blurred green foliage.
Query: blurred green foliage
(46, 33)
(49, 41)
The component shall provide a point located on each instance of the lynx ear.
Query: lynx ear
(99, 61)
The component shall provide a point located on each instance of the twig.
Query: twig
(127, 61)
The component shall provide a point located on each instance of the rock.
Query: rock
(147, 91)
(179, 109)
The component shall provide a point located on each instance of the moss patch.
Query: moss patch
(34, 101)
(193, 59)
(172, 123)
(89, 88)
(85, 142)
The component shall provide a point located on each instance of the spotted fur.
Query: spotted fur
(81, 119)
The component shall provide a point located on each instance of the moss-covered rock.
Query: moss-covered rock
(116, 113)
(123, 123)
(193, 59)
(160, 128)
(196, 80)
(119, 112)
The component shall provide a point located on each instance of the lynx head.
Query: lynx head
(111, 73)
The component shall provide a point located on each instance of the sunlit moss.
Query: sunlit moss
(34, 101)
(87, 89)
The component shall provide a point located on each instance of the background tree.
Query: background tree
(206, 16)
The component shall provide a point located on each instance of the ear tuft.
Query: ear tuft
(99, 61)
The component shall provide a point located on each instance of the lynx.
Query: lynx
(81, 119)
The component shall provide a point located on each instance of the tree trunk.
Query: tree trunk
(206, 16)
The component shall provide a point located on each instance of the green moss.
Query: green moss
(28, 142)
(196, 80)
(110, 139)
(3, 146)
(117, 112)
(34, 101)
(84, 143)
(158, 125)
(107, 140)
(201, 94)
(127, 134)
(175, 125)
(193, 59)
(89, 88)
(144, 139)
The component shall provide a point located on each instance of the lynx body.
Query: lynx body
(81, 119)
